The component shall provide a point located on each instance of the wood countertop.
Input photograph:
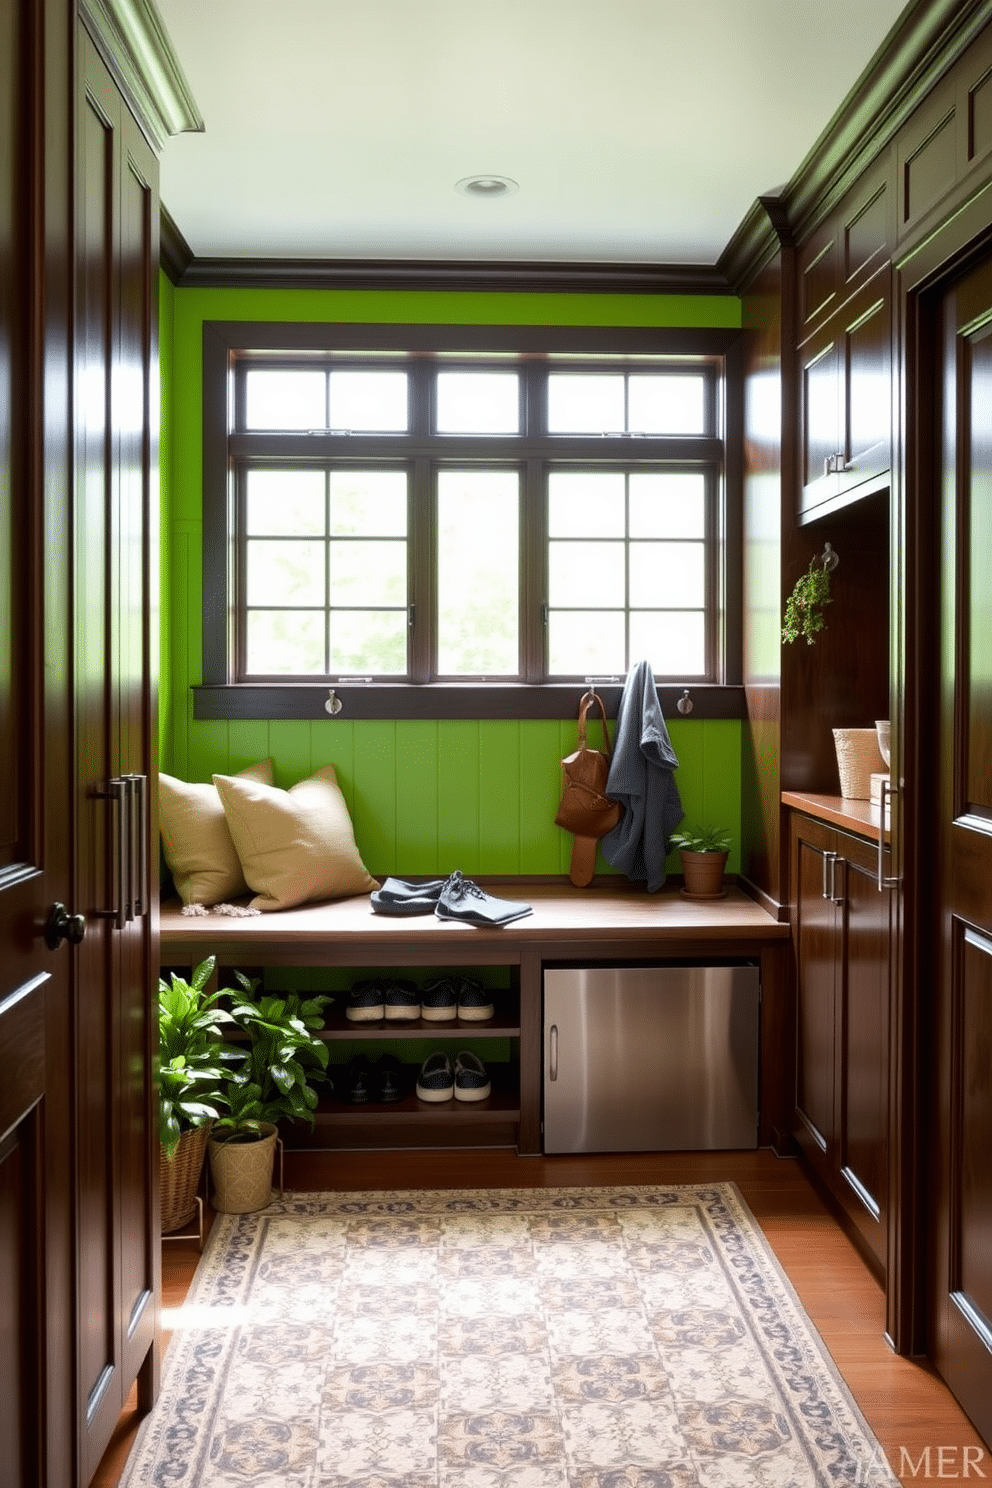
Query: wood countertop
(861, 817)
(563, 917)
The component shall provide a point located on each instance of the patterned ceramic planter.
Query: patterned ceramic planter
(242, 1173)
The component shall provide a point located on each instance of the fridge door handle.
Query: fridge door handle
(553, 1052)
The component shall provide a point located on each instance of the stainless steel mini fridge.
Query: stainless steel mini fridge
(650, 1058)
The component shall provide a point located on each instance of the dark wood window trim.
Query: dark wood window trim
(219, 697)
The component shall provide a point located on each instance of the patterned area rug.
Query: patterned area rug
(558, 1338)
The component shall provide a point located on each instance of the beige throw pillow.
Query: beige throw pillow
(196, 840)
(294, 845)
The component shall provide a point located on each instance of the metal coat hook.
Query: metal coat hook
(829, 558)
(685, 703)
(591, 684)
(333, 705)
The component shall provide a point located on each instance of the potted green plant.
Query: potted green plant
(271, 1082)
(704, 852)
(191, 1071)
(804, 607)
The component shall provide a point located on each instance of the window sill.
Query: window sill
(443, 700)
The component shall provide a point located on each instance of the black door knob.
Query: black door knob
(61, 925)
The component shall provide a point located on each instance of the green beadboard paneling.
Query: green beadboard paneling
(722, 781)
(291, 748)
(374, 808)
(417, 787)
(499, 794)
(540, 783)
(458, 753)
(247, 742)
(209, 752)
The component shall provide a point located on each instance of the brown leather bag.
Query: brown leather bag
(585, 810)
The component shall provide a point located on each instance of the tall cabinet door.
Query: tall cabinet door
(963, 832)
(116, 1230)
(35, 1125)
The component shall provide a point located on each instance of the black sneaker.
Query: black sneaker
(389, 1079)
(366, 1002)
(471, 1081)
(436, 1081)
(475, 1004)
(438, 1000)
(461, 899)
(402, 1002)
(355, 1084)
(400, 896)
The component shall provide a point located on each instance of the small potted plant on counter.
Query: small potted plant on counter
(704, 852)
(270, 1082)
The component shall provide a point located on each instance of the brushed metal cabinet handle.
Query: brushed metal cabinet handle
(884, 882)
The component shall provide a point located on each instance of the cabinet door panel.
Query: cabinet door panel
(815, 956)
(863, 1117)
(114, 359)
(960, 814)
(821, 432)
(867, 391)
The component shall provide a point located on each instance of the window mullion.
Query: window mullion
(422, 570)
(533, 572)
(327, 569)
(239, 561)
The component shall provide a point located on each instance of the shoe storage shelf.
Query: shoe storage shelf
(411, 1122)
(581, 926)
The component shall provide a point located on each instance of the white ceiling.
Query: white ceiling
(639, 131)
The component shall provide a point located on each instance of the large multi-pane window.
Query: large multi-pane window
(429, 517)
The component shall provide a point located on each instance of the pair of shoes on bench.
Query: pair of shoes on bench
(452, 898)
(361, 1082)
(442, 999)
(467, 1080)
(375, 999)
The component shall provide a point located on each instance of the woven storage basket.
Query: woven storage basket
(180, 1178)
(858, 758)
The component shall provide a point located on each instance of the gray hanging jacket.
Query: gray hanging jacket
(641, 778)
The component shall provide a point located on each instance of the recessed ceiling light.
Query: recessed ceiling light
(491, 186)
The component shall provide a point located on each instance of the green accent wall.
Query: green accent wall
(426, 796)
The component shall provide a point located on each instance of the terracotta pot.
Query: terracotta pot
(241, 1173)
(702, 874)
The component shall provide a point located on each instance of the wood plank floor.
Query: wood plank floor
(923, 1432)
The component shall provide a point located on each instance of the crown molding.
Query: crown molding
(763, 232)
(175, 254)
(927, 41)
(133, 42)
(451, 274)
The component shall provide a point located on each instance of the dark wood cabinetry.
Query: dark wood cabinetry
(846, 402)
(79, 1243)
(842, 934)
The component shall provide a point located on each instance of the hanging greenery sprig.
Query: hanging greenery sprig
(804, 607)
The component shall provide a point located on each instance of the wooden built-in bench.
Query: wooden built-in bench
(584, 926)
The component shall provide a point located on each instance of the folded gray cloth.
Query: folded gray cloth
(641, 778)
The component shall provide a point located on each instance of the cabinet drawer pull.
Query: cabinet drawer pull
(829, 865)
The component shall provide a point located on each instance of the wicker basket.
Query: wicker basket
(180, 1178)
(858, 758)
